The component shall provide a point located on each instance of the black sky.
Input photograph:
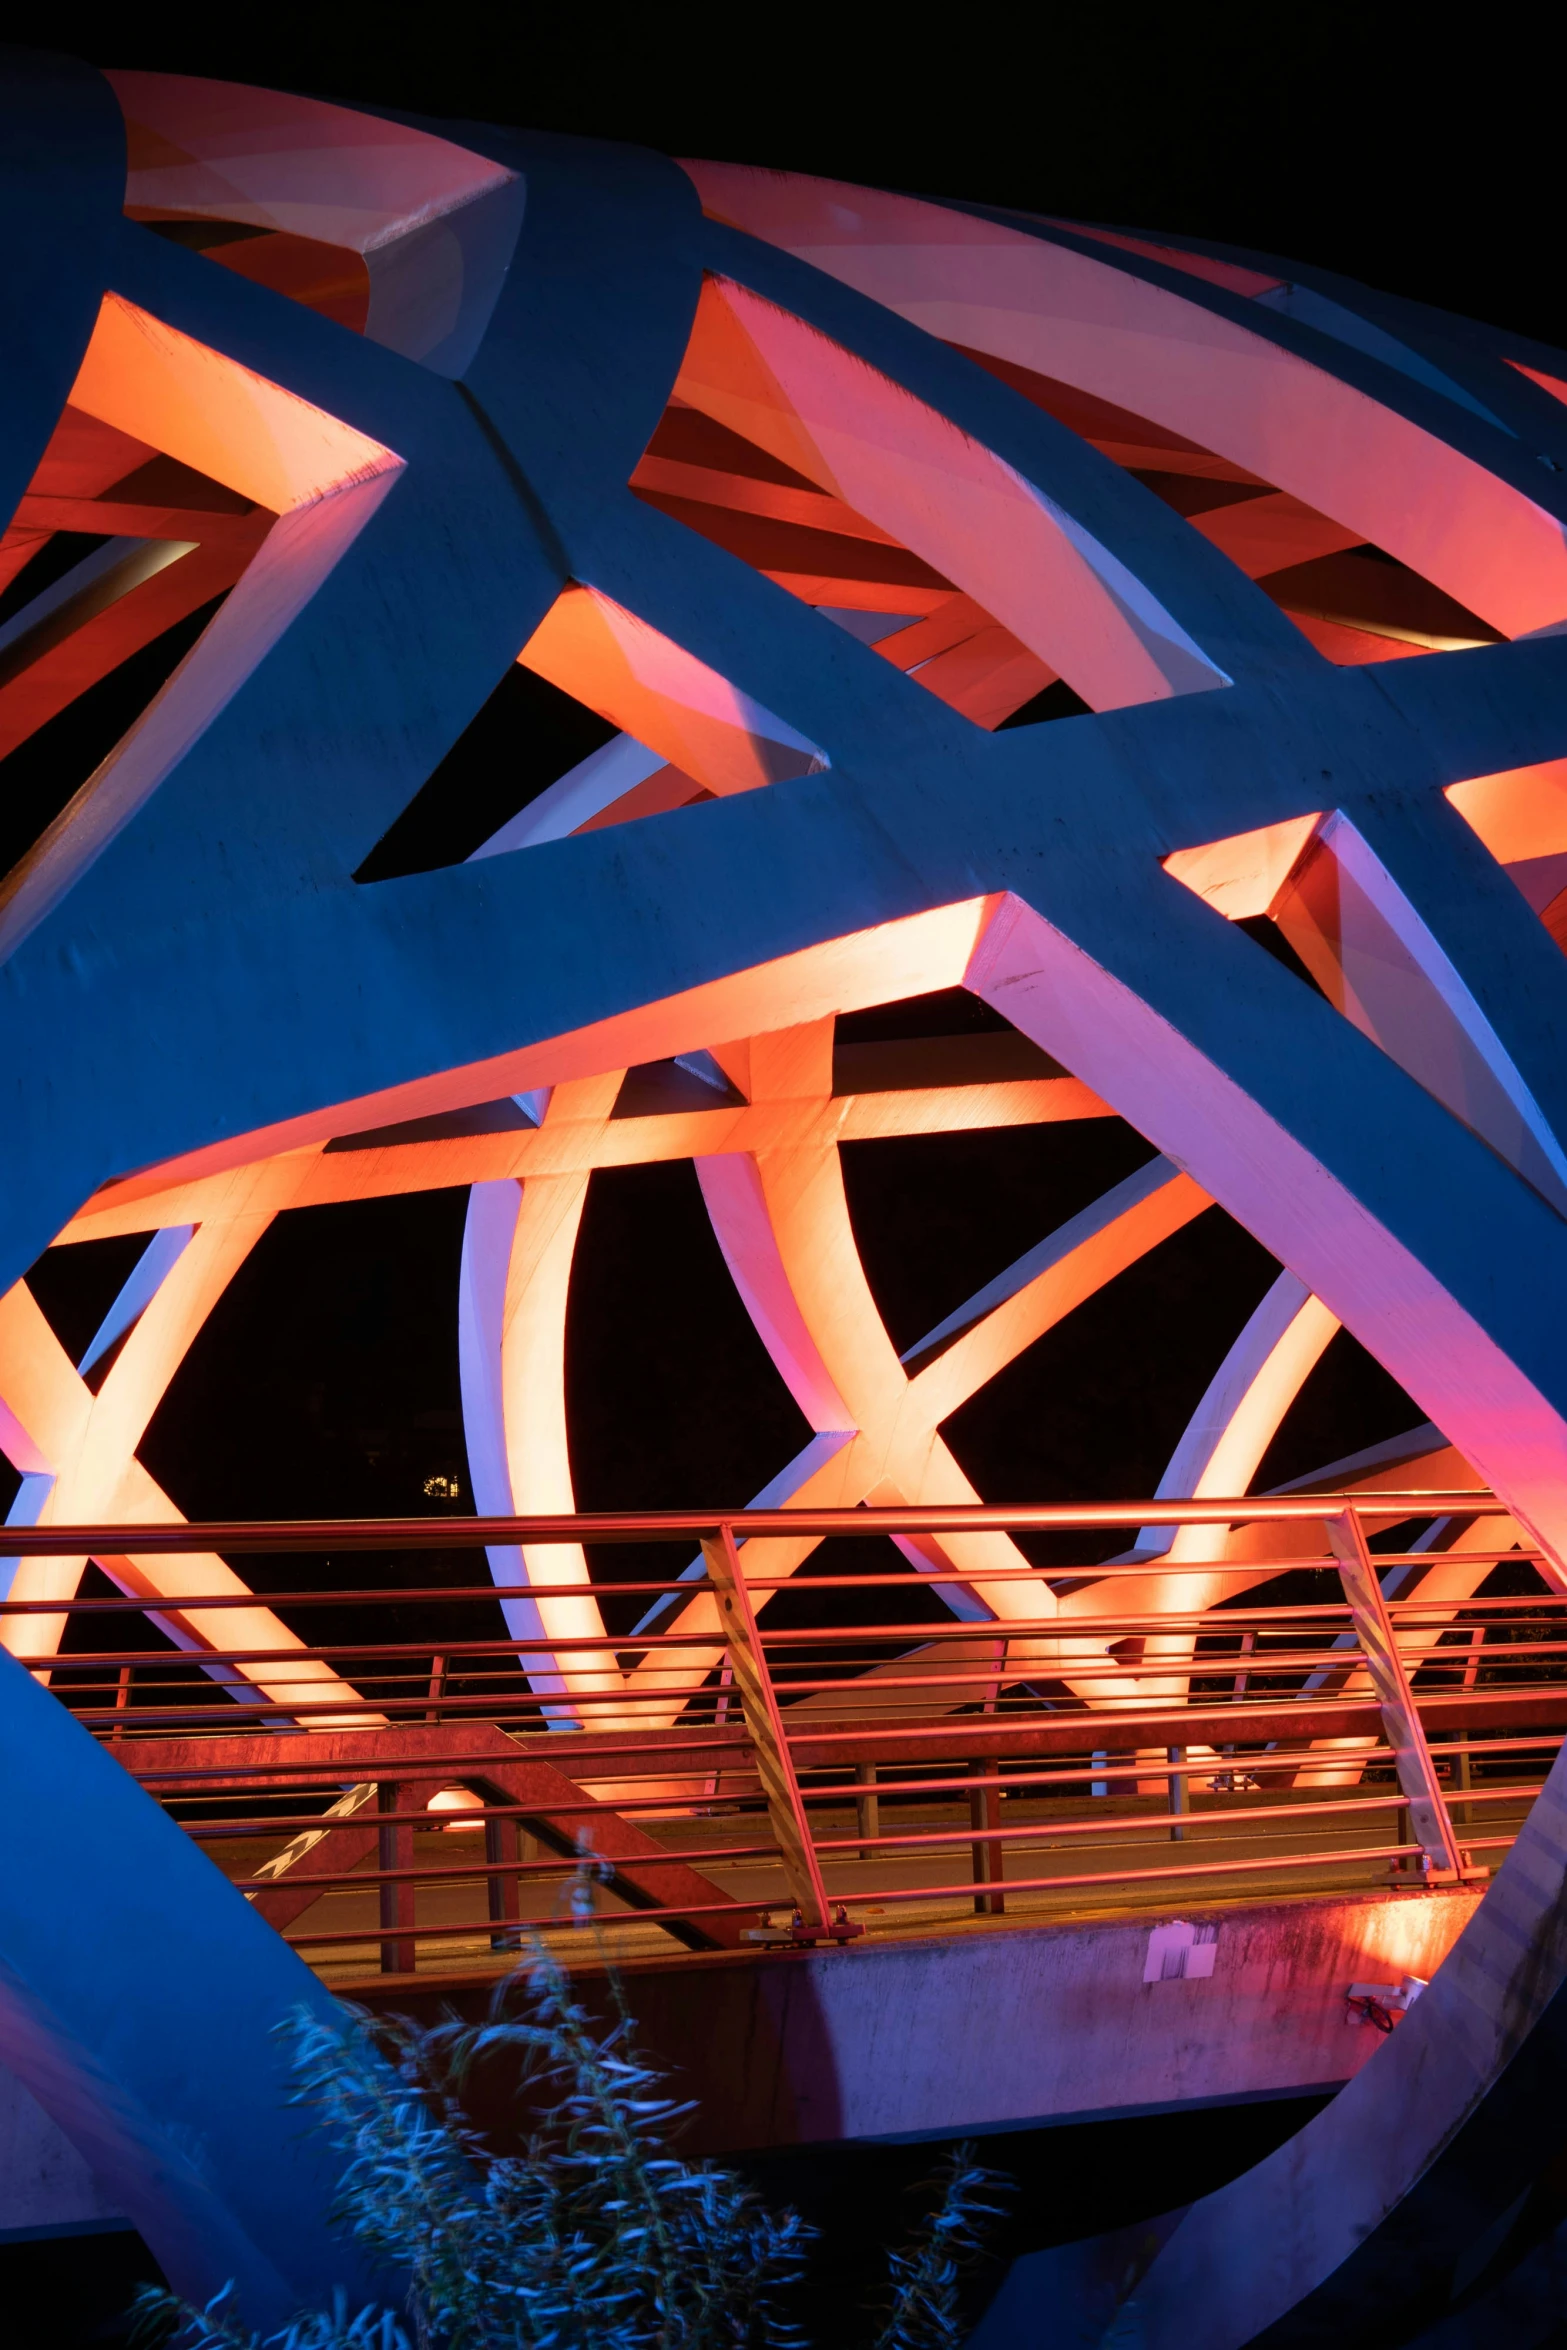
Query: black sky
(1419, 150)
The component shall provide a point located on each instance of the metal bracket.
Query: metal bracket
(797, 1935)
(1379, 2003)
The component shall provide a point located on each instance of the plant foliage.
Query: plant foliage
(591, 2235)
(925, 2313)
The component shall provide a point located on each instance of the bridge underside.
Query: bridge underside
(1060, 2026)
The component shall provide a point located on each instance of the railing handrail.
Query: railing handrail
(305, 1534)
(939, 1692)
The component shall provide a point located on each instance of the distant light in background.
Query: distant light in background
(457, 1799)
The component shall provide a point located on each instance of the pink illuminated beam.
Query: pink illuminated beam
(81, 1448)
(999, 538)
(1078, 320)
(517, 1255)
(1272, 1184)
(716, 737)
(321, 477)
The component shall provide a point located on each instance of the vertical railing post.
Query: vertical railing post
(1248, 1645)
(396, 1851)
(1428, 1818)
(764, 1727)
(122, 1699)
(437, 1688)
(1243, 1676)
(503, 1894)
(867, 1808)
(1177, 1757)
(726, 1682)
(1463, 1775)
(987, 1853)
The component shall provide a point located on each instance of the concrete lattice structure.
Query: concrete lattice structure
(819, 502)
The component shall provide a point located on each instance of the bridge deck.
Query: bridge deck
(416, 1777)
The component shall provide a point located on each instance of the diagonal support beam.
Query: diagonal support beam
(764, 1725)
(1401, 1723)
(645, 1874)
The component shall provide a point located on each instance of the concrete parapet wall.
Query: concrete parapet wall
(1009, 2026)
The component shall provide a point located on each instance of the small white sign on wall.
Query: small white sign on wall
(1179, 1953)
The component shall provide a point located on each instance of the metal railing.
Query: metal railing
(740, 1777)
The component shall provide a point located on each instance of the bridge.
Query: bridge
(802, 691)
(1190, 1824)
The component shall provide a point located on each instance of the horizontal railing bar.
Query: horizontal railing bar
(451, 1872)
(685, 1751)
(1019, 1787)
(340, 1703)
(444, 1822)
(340, 1706)
(838, 1797)
(1014, 1628)
(672, 1751)
(1112, 1831)
(1512, 1792)
(1154, 1823)
(1359, 1856)
(827, 1744)
(1260, 1665)
(1494, 1746)
(280, 1536)
(170, 1669)
(522, 1928)
(928, 1639)
(1202, 1620)
(1170, 1872)
(375, 1595)
(960, 1672)
(694, 1586)
(958, 1786)
(378, 1710)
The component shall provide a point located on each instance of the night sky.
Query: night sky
(1416, 152)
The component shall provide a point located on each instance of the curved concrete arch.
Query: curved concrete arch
(85, 1446)
(169, 2078)
(1243, 1406)
(1190, 360)
(783, 1224)
(518, 1248)
(823, 412)
(1413, 2163)
(1236, 1420)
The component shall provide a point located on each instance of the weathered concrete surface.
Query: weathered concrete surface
(1018, 2025)
(44, 2182)
(997, 2028)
